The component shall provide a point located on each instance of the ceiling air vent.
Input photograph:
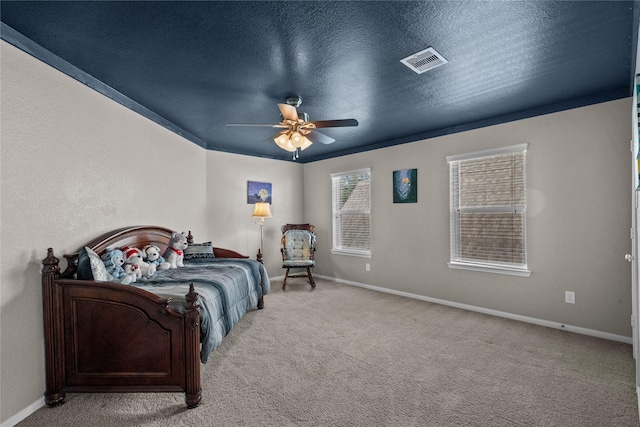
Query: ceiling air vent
(425, 60)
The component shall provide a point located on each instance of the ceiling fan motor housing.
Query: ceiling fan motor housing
(301, 115)
(294, 101)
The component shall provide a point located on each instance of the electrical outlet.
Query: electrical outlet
(569, 297)
(367, 267)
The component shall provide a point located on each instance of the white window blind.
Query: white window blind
(351, 208)
(488, 210)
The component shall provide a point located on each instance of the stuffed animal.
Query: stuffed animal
(175, 252)
(136, 256)
(151, 255)
(131, 267)
(113, 261)
(134, 265)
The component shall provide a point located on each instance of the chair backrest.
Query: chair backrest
(298, 242)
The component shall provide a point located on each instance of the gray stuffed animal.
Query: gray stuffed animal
(174, 254)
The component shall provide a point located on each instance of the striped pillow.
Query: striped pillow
(199, 251)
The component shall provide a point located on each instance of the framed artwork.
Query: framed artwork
(405, 186)
(258, 192)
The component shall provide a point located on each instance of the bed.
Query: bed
(148, 336)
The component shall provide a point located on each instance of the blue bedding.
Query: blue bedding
(227, 289)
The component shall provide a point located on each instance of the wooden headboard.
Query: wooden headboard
(136, 236)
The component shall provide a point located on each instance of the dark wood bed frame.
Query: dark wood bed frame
(108, 337)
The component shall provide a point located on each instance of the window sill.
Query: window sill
(351, 252)
(457, 265)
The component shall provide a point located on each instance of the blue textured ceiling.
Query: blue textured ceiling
(195, 66)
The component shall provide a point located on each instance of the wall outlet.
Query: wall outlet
(569, 297)
(367, 267)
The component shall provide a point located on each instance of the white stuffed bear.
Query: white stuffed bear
(134, 265)
(132, 271)
(175, 252)
(151, 254)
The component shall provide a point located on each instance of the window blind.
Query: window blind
(351, 208)
(488, 208)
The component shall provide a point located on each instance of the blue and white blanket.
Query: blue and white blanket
(227, 289)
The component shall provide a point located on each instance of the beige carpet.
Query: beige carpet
(346, 356)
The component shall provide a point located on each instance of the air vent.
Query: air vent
(425, 60)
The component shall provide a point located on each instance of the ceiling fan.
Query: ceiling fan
(298, 132)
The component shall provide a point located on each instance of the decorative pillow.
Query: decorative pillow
(199, 251)
(98, 270)
(84, 265)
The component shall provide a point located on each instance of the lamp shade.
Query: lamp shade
(306, 142)
(261, 210)
(284, 142)
(296, 139)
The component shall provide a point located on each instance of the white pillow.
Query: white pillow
(98, 269)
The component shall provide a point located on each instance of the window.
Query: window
(351, 207)
(488, 207)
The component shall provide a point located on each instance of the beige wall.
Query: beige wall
(579, 215)
(229, 217)
(75, 164)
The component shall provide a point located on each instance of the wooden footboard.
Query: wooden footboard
(107, 337)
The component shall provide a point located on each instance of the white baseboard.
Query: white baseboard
(540, 322)
(24, 413)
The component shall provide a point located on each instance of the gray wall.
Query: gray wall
(579, 215)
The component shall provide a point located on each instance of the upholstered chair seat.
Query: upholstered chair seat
(298, 249)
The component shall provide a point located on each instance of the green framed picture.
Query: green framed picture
(405, 186)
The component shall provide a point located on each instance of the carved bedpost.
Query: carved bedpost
(261, 299)
(52, 330)
(190, 238)
(72, 266)
(193, 391)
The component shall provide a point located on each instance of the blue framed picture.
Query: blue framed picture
(405, 186)
(258, 192)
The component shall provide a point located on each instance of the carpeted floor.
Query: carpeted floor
(346, 356)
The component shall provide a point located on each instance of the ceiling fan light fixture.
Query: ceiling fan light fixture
(306, 143)
(284, 142)
(296, 139)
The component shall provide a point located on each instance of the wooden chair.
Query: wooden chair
(298, 251)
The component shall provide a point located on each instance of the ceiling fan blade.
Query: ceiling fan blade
(289, 112)
(278, 125)
(335, 123)
(316, 136)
